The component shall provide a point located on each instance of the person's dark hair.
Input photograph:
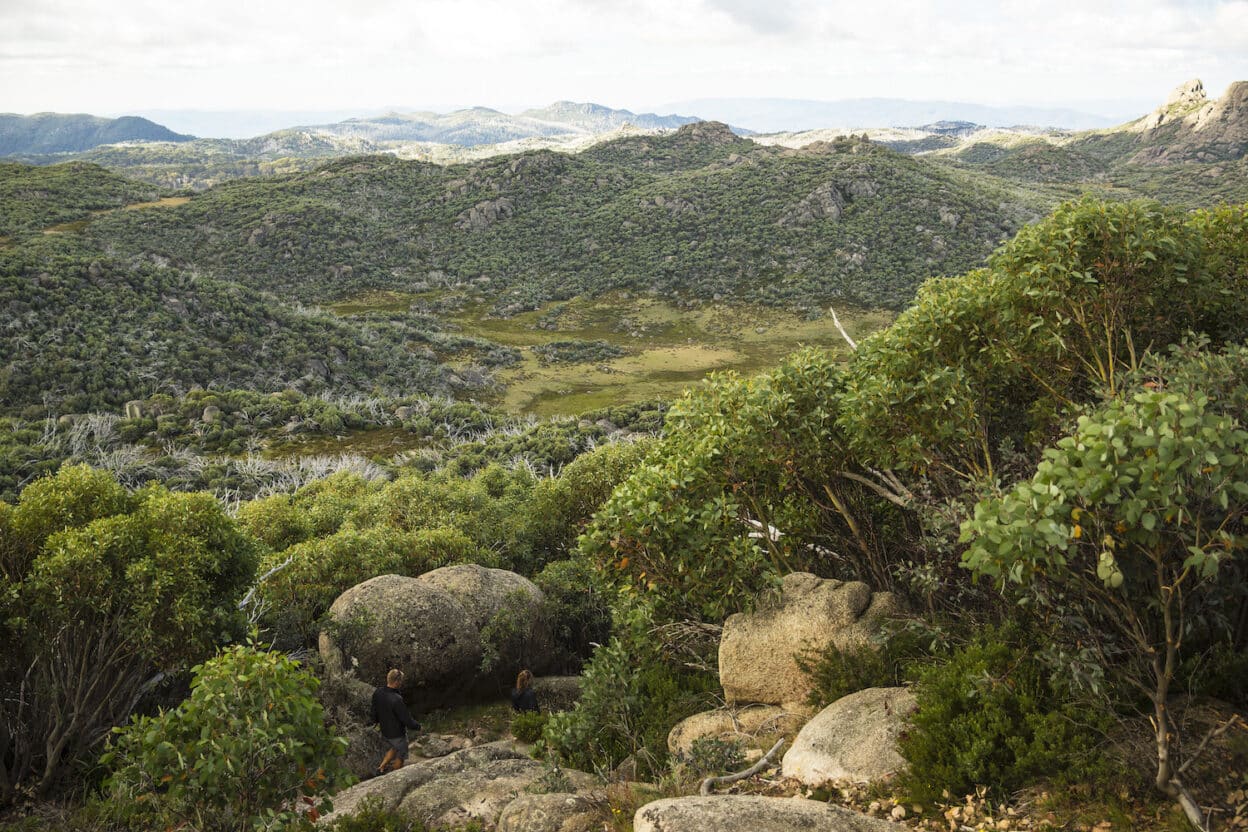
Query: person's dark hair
(523, 680)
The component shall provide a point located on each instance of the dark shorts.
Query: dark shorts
(399, 744)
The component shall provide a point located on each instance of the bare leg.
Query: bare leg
(391, 755)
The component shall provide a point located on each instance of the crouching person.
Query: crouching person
(390, 712)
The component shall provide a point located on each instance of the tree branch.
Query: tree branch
(711, 782)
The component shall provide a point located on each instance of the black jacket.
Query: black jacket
(390, 710)
(524, 700)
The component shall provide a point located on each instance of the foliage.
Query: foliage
(297, 596)
(867, 470)
(527, 726)
(632, 693)
(664, 213)
(100, 589)
(248, 748)
(1133, 526)
(712, 755)
(97, 330)
(1218, 672)
(561, 507)
(573, 352)
(990, 717)
(893, 660)
(577, 605)
(32, 199)
(372, 816)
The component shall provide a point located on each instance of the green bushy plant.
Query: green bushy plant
(101, 590)
(1132, 529)
(1219, 672)
(527, 726)
(248, 748)
(891, 661)
(712, 755)
(316, 571)
(834, 673)
(632, 694)
(990, 716)
(577, 608)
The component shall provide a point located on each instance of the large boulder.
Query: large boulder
(475, 784)
(752, 813)
(557, 812)
(757, 651)
(393, 621)
(365, 748)
(431, 628)
(854, 738)
(754, 726)
(511, 603)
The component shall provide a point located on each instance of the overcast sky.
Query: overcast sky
(115, 56)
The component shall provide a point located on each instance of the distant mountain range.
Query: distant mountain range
(773, 115)
(481, 125)
(74, 133)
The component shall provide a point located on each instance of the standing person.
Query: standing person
(523, 697)
(390, 711)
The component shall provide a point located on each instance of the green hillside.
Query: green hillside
(698, 213)
(88, 330)
(72, 133)
(33, 199)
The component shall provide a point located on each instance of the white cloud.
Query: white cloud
(283, 54)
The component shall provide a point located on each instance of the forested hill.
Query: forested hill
(66, 133)
(700, 213)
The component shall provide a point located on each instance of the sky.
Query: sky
(121, 56)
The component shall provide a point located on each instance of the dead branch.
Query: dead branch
(765, 761)
(841, 329)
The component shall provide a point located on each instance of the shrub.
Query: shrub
(712, 755)
(990, 717)
(834, 673)
(372, 816)
(632, 693)
(559, 508)
(121, 586)
(1131, 530)
(297, 596)
(576, 607)
(248, 746)
(527, 726)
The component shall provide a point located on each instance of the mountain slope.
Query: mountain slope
(700, 213)
(787, 114)
(86, 329)
(32, 199)
(482, 125)
(1190, 150)
(64, 133)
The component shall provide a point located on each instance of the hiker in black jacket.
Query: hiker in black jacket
(523, 697)
(390, 711)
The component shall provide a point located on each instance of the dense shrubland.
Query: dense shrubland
(241, 444)
(1044, 457)
(32, 199)
(723, 217)
(88, 330)
(936, 455)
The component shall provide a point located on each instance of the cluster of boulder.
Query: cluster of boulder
(432, 628)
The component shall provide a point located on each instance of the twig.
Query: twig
(710, 782)
(1213, 732)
